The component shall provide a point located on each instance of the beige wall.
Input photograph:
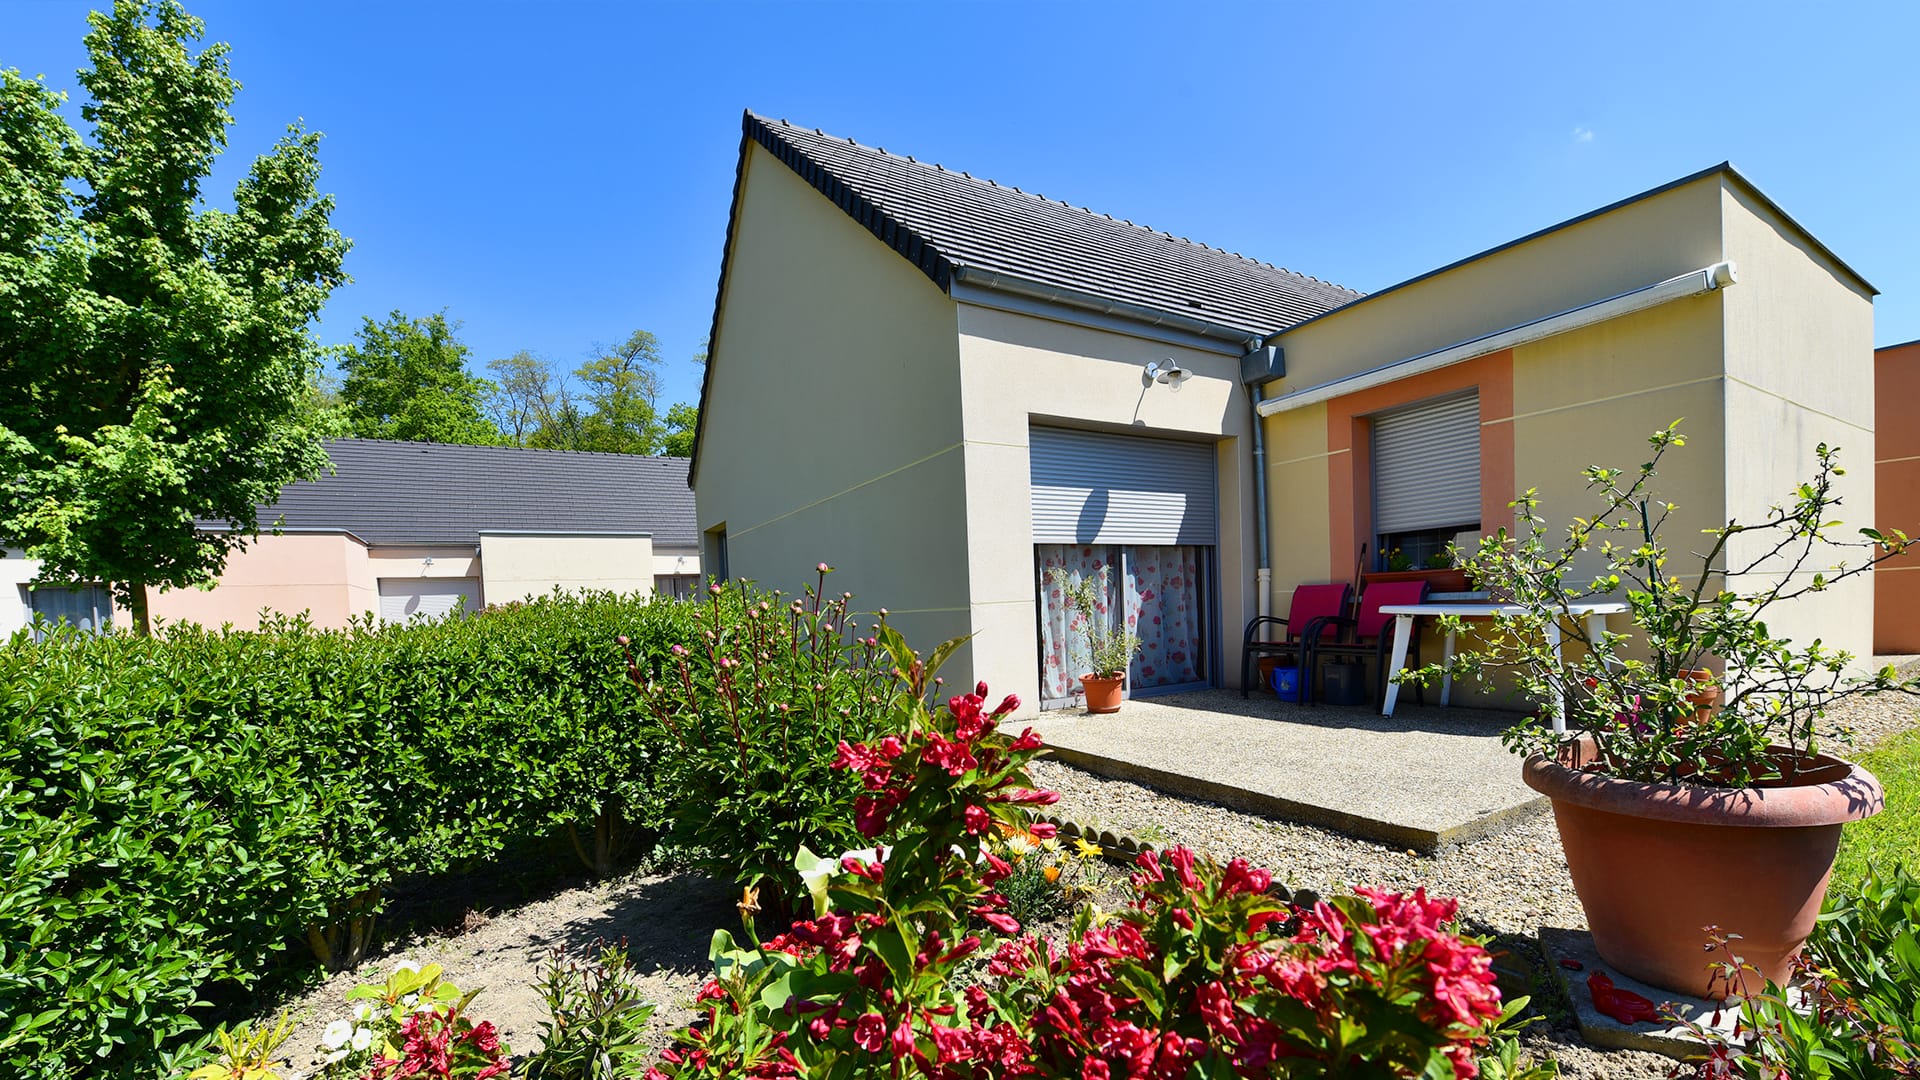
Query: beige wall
(832, 425)
(1639, 244)
(318, 573)
(676, 561)
(1799, 373)
(1017, 370)
(520, 566)
(15, 570)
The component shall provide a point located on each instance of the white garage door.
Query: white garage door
(405, 598)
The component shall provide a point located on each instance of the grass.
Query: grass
(1891, 837)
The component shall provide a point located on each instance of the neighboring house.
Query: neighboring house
(1896, 477)
(402, 529)
(945, 386)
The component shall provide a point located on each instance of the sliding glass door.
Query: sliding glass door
(1162, 593)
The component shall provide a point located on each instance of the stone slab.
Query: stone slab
(1425, 778)
(1658, 1036)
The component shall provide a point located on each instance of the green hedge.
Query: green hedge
(174, 812)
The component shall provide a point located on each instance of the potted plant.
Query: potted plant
(1674, 816)
(1108, 649)
(1441, 571)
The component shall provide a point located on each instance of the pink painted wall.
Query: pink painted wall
(324, 574)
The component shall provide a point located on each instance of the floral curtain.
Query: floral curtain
(1157, 587)
(1062, 648)
(1163, 607)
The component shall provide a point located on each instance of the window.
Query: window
(1426, 477)
(87, 607)
(678, 586)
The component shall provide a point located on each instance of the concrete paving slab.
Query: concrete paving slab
(1565, 948)
(1424, 778)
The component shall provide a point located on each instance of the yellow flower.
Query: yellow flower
(1087, 848)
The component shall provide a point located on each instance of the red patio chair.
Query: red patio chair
(1368, 634)
(1311, 605)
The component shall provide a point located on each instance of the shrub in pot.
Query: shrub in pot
(1675, 816)
(1109, 650)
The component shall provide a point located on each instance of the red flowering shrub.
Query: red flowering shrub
(911, 964)
(442, 1042)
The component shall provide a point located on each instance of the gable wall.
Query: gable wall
(832, 429)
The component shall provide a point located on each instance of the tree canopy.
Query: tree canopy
(155, 360)
(407, 379)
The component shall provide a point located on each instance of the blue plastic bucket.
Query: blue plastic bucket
(1286, 683)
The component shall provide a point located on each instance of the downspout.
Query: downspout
(1263, 576)
(1259, 365)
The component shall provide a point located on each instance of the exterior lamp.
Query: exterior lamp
(1169, 372)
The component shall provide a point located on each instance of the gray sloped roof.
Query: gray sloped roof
(389, 492)
(942, 220)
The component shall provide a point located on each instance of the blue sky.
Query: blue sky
(556, 174)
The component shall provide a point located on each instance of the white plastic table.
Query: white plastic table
(1594, 612)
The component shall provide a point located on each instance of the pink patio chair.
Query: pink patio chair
(1307, 616)
(1368, 634)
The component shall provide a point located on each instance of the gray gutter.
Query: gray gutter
(1239, 338)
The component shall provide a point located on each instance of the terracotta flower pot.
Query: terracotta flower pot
(1703, 701)
(1655, 863)
(1103, 695)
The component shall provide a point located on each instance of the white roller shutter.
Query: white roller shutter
(404, 598)
(1095, 488)
(1426, 465)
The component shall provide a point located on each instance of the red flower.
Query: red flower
(977, 819)
(870, 1032)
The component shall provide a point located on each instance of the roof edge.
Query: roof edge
(1724, 168)
(1896, 345)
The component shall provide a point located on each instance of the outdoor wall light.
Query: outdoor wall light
(1168, 372)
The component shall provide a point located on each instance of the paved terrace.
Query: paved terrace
(1424, 778)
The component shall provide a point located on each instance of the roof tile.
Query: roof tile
(390, 492)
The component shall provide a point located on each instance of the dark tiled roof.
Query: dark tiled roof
(941, 220)
(389, 492)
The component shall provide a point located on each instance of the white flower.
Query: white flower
(1019, 846)
(362, 1038)
(363, 1012)
(407, 1002)
(405, 965)
(337, 1034)
(424, 1007)
(336, 1057)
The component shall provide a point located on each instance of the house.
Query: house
(946, 386)
(1896, 479)
(402, 529)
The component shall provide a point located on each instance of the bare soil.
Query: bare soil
(667, 921)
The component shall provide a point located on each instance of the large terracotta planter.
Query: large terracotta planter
(1655, 863)
(1103, 695)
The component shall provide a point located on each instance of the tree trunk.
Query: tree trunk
(137, 601)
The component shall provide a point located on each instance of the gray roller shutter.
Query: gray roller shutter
(405, 598)
(1095, 488)
(1426, 465)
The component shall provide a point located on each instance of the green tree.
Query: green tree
(621, 386)
(677, 440)
(155, 360)
(523, 397)
(407, 379)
